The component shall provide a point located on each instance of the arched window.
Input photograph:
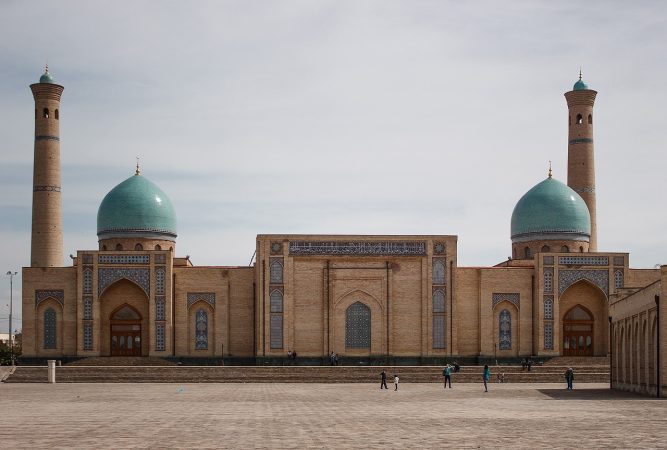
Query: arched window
(358, 326)
(138, 247)
(546, 249)
(119, 246)
(87, 281)
(104, 248)
(438, 272)
(514, 253)
(439, 306)
(45, 113)
(569, 120)
(581, 249)
(57, 115)
(171, 249)
(618, 279)
(505, 330)
(157, 247)
(526, 252)
(49, 328)
(36, 116)
(276, 319)
(159, 281)
(549, 336)
(580, 119)
(564, 249)
(548, 309)
(590, 119)
(159, 309)
(548, 280)
(88, 309)
(276, 272)
(201, 330)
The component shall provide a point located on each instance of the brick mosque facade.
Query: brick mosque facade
(364, 297)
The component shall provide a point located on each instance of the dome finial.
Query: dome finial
(579, 73)
(138, 171)
(549, 168)
(46, 68)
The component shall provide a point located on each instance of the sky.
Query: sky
(334, 117)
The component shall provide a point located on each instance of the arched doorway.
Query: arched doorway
(125, 332)
(578, 332)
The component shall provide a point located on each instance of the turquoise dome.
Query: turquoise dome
(46, 77)
(136, 208)
(551, 210)
(580, 85)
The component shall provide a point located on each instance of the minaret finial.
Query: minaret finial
(549, 168)
(46, 68)
(579, 73)
(138, 171)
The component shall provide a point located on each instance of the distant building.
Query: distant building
(362, 297)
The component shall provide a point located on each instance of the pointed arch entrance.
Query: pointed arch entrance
(125, 332)
(578, 336)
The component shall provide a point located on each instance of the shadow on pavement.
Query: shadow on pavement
(592, 394)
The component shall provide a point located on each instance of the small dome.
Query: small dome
(46, 77)
(551, 210)
(136, 208)
(580, 85)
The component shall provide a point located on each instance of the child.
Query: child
(395, 382)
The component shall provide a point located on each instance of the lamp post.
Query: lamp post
(11, 301)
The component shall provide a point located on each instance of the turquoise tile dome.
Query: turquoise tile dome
(553, 210)
(580, 85)
(46, 77)
(136, 207)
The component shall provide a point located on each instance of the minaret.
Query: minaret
(47, 228)
(580, 158)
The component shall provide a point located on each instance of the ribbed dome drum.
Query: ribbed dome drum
(551, 210)
(136, 207)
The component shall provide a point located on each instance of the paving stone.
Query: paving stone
(298, 415)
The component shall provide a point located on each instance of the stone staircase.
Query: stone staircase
(73, 373)
(106, 361)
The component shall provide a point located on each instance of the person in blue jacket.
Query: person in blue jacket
(486, 376)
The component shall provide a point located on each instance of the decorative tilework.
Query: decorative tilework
(57, 295)
(512, 298)
(159, 308)
(107, 276)
(159, 337)
(581, 141)
(618, 278)
(47, 188)
(87, 308)
(87, 258)
(438, 271)
(358, 326)
(439, 303)
(159, 281)
(276, 248)
(439, 331)
(439, 248)
(505, 330)
(585, 189)
(276, 331)
(87, 280)
(393, 248)
(567, 278)
(548, 307)
(87, 336)
(46, 137)
(548, 336)
(201, 330)
(619, 261)
(276, 271)
(548, 280)
(584, 260)
(208, 297)
(276, 301)
(123, 259)
(49, 328)
(548, 260)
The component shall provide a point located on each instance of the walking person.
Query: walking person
(383, 380)
(395, 382)
(447, 372)
(486, 376)
(569, 377)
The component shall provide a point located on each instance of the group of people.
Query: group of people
(526, 363)
(333, 359)
(486, 377)
(291, 356)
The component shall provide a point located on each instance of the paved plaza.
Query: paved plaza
(326, 415)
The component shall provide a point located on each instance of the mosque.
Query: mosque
(365, 297)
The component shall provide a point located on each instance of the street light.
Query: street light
(11, 301)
